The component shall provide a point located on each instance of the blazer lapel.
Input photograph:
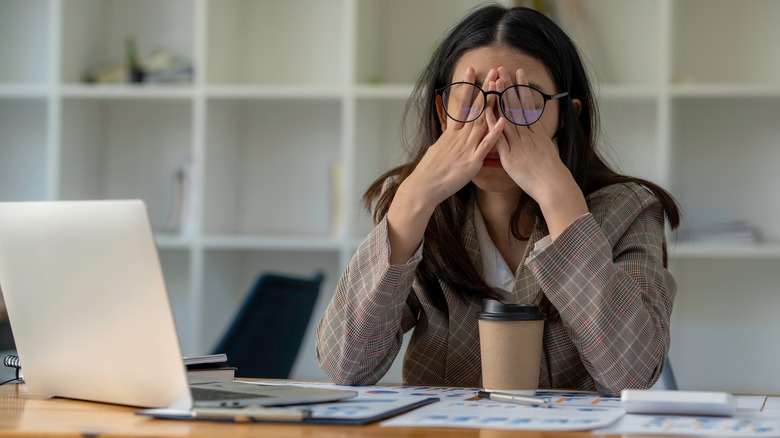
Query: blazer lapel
(463, 355)
(526, 290)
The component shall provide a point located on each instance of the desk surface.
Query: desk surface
(24, 413)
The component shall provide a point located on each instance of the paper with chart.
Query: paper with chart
(772, 406)
(698, 426)
(757, 416)
(459, 407)
(571, 411)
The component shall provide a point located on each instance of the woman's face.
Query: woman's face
(492, 176)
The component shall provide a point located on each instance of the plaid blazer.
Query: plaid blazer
(602, 283)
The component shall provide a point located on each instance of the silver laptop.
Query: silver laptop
(90, 313)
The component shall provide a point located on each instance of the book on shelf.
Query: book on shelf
(180, 215)
(336, 201)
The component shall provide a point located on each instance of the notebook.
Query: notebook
(90, 314)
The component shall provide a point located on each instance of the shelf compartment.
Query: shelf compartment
(629, 137)
(230, 274)
(718, 176)
(255, 42)
(730, 43)
(379, 136)
(175, 265)
(95, 32)
(25, 38)
(398, 38)
(114, 149)
(618, 39)
(725, 313)
(24, 159)
(269, 163)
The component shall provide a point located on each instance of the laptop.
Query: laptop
(90, 314)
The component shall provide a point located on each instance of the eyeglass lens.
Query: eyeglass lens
(520, 104)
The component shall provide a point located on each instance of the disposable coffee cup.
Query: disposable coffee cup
(510, 338)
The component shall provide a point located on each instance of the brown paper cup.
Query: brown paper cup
(510, 337)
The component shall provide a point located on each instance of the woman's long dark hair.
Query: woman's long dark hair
(533, 33)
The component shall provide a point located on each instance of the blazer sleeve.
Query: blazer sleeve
(361, 331)
(605, 275)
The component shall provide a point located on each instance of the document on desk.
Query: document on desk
(756, 416)
(772, 406)
(571, 411)
(459, 407)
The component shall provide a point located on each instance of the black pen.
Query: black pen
(525, 400)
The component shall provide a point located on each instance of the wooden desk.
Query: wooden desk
(23, 413)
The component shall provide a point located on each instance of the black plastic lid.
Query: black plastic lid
(494, 310)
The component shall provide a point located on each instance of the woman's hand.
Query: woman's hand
(458, 154)
(530, 157)
(447, 166)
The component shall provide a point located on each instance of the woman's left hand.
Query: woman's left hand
(529, 155)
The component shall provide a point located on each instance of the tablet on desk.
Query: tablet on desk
(673, 402)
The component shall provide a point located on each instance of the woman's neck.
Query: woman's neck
(497, 209)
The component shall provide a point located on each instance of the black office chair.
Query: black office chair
(264, 338)
(667, 380)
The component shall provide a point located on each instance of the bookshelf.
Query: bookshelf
(284, 91)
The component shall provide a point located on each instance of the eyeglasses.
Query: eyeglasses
(521, 104)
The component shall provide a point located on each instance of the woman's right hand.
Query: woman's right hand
(448, 165)
(456, 157)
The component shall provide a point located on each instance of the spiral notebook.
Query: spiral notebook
(90, 314)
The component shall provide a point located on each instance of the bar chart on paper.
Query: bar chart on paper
(570, 411)
(491, 415)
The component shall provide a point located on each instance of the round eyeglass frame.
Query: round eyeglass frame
(546, 97)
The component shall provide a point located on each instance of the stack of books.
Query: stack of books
(211, 366)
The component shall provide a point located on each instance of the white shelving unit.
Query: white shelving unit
(289, 93)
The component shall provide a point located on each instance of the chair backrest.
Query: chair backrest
(267, 331)
(667, 380)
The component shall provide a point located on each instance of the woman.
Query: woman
(506, 197)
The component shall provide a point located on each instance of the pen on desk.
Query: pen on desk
(525, 400)
(249, 414)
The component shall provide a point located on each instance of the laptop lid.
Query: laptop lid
(87, 303)
(89, 310)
